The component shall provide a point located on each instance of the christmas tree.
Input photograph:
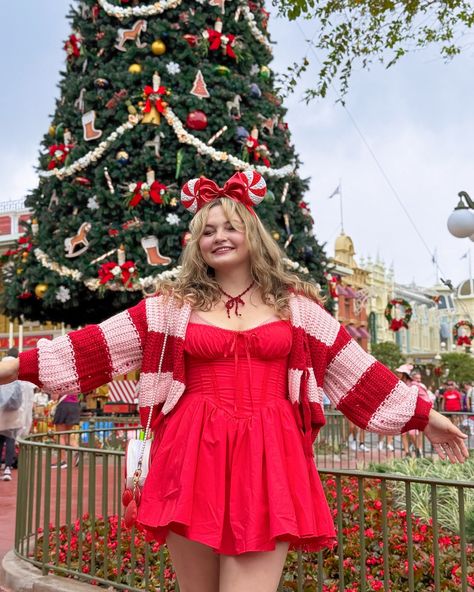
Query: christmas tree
(154, 93)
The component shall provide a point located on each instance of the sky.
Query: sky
(402, 143)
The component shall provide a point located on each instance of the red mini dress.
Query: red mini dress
(228, 467)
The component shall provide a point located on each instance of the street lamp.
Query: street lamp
(461, 221)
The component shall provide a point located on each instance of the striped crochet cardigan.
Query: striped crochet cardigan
(323, 358)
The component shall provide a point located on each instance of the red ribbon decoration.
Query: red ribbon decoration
(106, 275)
(236, 188)
(153, 97)
(463, 340)
(155, 191)
(72, 47)
(252, 145)
(397, 324)
(215, 41)
(63, 149)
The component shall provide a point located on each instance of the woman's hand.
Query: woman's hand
(9, 371)
(446, 438)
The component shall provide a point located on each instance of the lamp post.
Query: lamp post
(461, 221)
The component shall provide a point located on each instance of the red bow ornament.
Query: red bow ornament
(72, 46)
(463, 340)
(217, 40)
(397, 324)
(153, 99)
(247, 187)
(112, 271)
(142, 190)
(58, 154)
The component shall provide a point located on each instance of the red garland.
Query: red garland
(153, 97)
(156, 191)
(72, 47)
(58, 154)
(215, 41)
(127, 272)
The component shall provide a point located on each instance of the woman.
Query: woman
(249, 352)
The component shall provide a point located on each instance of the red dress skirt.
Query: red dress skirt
(228, 467)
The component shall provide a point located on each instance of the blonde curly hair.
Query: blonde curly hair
(196, 283)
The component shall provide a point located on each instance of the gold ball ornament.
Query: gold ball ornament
(40, 290)
(135, 69)
(265, 72)
(24, 256)
(276, 235)
(52, 130)
(158, 47)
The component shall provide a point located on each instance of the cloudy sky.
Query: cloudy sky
(403, 143)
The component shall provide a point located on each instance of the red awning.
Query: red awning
(353, 332)
(363, 332)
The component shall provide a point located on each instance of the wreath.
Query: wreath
(396, 324)
(463, 339)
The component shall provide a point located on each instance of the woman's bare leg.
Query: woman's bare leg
(196, 565)
(253, 572)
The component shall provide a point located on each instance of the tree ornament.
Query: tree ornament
(78, 244)
(173, 219)
(122, 157)
(276, 235)
(92, 203)
(217, 40)
(254, 91)
(233, 107)
(463, 332)
(268, 123)
(133, 34)
(150, 189)
(217, 135)
(185, 238)
(116, 99)
(135, 69)
(173, 68)
(111, 272)
(40, 290)
(199, 88)
(108, 180)
(88, 126)
(152, 250)
(84, 181)
(396, 324)
(73, 46)
(179, 162)
(219, 3)
(284, 192)
(191, 39)
(101, 83)
(241, 134)
(52, 130)
(196, 120)
(158, 47)
(222, 70)
(154, 104)
(63, 294)
(265, 73)
(79, 102)
(58, 154)
(34, 226)
(156, 144)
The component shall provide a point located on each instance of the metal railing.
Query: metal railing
(394, 533)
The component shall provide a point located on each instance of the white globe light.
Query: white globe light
(461, 223)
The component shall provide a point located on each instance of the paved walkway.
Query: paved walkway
(7, 514)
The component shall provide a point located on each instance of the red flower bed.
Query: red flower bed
(119, 563)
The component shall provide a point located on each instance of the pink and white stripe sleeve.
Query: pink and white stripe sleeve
(85, 359)
(368, 393)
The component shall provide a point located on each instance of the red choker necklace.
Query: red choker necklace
(234, 301)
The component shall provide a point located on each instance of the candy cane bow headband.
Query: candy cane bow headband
(248, 188)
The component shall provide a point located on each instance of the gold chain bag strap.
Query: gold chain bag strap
(137, 458)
